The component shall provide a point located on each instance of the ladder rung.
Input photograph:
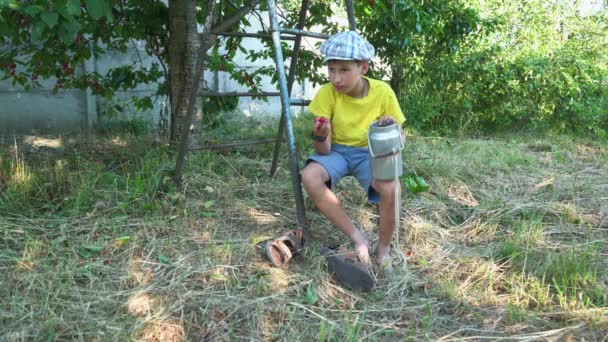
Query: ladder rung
(251, 35)
(232, 144)
(299, 102)
(263, 93)
(304, 33)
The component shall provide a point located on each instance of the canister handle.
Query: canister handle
(393, 151)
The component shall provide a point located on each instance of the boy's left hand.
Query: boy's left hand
(385, 120)
(321, 127)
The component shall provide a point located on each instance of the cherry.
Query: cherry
(372, 2)
(319, 121)
(34, 76)
(13, 66)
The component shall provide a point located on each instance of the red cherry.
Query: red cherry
(372, 2)
(409, 253)
(34, 76)
(68, 71)
(319, 121)
(106, 262)
(66, 65)
(13, 66)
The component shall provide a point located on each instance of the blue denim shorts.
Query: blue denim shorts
(345, 161)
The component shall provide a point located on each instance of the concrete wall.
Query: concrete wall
(40, 111)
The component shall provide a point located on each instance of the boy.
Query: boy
(344, 110)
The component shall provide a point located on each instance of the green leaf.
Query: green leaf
(65, 34)
(208, 204)
(68, 29)
(418, 27)
(84, 253)
(12, 4)
(37, 30)
(410, 184)
(311, 295)
(50, 18)
(94, 248)
(164, 259)
(209, 214)
(95, 8)
(219, 277)
(422, 185)
(73, 7)
(33, 10)
(4, 27)
(108, 11)
(121, 241)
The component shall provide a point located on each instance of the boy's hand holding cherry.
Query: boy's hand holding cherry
(321, 127)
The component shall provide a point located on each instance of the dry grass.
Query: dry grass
(501, 215)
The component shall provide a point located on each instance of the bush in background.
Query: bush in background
(533, 66)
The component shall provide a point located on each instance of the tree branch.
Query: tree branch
(230, 21)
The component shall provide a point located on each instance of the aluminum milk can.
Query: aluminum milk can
(385, 145)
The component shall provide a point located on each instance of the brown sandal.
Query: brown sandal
(282, 249)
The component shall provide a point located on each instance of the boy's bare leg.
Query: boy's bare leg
(386, 209)
(314, 177)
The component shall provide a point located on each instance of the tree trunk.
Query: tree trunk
(187, 65)
(396, 79)
(183, 49)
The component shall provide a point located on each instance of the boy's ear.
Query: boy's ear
(364, 67)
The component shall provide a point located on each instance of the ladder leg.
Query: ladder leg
(290, 80)
(286, 112)
(350, 11)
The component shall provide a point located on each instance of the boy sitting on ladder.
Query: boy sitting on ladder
(344, 109)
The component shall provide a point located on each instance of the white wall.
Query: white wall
(40, 111)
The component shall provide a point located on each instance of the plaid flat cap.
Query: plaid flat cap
(347, 46)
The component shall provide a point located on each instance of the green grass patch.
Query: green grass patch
(96, 242)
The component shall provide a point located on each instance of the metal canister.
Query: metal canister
(385, 145)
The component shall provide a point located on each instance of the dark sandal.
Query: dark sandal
(348, 269)
(282, 249)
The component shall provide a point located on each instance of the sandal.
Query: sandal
(282, 249)
(349, 269)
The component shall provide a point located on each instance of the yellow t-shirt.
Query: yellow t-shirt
(350, 117)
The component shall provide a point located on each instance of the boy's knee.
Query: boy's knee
(312, 175)
(386, 188)
(307, 176)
